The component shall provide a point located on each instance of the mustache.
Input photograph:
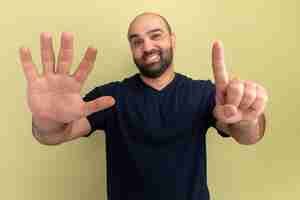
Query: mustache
(147, 53)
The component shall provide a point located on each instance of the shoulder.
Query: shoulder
(105, 89)
(198, 91)
(196, 84)
(114, 88)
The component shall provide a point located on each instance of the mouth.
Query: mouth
(153, 58)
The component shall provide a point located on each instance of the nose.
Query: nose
(148, 45)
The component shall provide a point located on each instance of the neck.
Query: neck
(160, 82)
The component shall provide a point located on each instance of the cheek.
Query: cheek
(136, 54)
(166, 43)
(166, 48)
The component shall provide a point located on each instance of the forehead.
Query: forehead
(145, 23)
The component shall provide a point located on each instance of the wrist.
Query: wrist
(244, 123)
(45, 125)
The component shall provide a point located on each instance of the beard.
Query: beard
(156, 69)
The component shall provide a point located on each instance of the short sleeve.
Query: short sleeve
(98, 120)
(211, 102)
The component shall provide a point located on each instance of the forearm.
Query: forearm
(49, 132)
(246, 132)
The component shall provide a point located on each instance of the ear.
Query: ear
(173, 40)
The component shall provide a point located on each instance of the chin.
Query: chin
(153, 73)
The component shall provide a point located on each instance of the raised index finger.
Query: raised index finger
(218, 65)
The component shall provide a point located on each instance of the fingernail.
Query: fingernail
(228, 112)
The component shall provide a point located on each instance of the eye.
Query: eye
(156, 36)
(137, 42)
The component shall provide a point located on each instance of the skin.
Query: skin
(240, 104)
(61, 116)
(58, 111)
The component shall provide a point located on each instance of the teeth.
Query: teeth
(152, 58)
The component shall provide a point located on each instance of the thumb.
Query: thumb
(99, 104)
(227, 113)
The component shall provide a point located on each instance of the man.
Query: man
(155, 121)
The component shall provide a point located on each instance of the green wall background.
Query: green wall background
(261, 42)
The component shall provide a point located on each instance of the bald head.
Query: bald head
(148, 18)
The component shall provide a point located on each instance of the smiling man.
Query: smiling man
(152, 46)
(155, 121)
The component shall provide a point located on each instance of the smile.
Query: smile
(152, 58)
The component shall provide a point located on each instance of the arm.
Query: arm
(245, 132)
(240, 104)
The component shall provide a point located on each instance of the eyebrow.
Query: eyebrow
(151, 31)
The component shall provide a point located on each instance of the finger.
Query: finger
(99, 104)
(227, 113)
(258, 107)
(47, 53)
(86, 65)
(234, 92)
(218, 65)
(65, 56)
(29, 69)
(249, 95)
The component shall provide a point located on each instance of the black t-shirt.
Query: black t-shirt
(155, 140)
